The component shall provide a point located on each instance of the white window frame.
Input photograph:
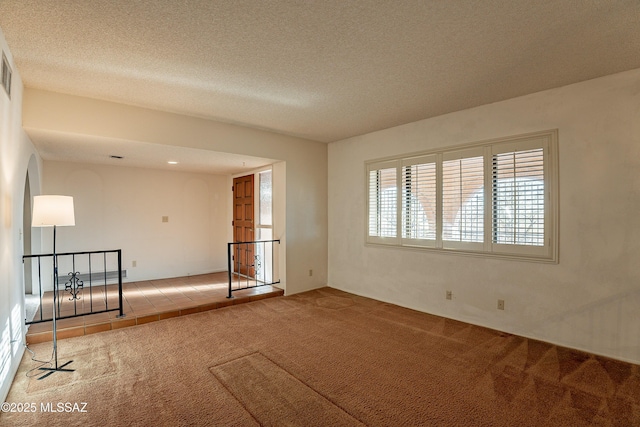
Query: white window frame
(525, 250)
(268, 255)
(548, 252)
(393, 164)
(459, 155)
(428, 243)
(256, 191)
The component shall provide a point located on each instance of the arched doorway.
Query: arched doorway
(26, 235)
(31, 241)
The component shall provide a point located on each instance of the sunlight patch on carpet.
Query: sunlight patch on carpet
(274, 397)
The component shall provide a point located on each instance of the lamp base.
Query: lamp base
(54, 370)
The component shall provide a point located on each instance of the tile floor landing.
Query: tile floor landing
(150, 301)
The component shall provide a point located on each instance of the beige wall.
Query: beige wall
(306, 162)
(590, 300)
(122, 208)
(17, 155)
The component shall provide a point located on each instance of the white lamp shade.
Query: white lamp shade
(52, 210)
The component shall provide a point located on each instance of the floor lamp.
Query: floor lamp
(53, 211)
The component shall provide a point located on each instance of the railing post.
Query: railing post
(40, 286)
(72, 283)
(120, 282)
(229, 267)
(90, 286)
(273, 256)
(248, 263)
(104, 275)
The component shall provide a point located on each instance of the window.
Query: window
(5, 75)
(383, 202)
(265, 202)
(418, 204)
(264, 256)
(494, 198)
(518, 198)
(462, 198)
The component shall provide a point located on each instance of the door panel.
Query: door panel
(243, 225)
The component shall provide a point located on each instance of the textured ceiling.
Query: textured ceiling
(321, 70)
(98, 150)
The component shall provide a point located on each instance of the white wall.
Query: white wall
(279, 206)
(591, 299)
(17, 154)
(122, 208)
(306, 162)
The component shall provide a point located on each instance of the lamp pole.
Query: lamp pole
(53, 211)
(55, 329)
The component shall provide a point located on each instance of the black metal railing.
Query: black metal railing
(92, 285)
(252, 264)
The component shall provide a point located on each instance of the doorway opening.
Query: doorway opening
(31, 300)
(253, 222)
(267, 256)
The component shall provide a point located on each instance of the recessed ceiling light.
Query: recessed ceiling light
(116, 157)
(172, 162)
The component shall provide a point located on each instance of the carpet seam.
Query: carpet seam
(312, 388)
(229, 390)
(292, 376)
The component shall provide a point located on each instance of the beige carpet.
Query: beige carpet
(325, 358)
(274, 397)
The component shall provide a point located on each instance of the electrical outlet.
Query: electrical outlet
(310, 272)
(449, 295)
(134, 263)
(500, 304)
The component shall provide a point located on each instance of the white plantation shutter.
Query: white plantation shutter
(418, 202)
(518, 198)
(383, 202)
(497, 198)
(463, 199)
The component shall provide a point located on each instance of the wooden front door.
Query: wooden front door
(243, 227)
